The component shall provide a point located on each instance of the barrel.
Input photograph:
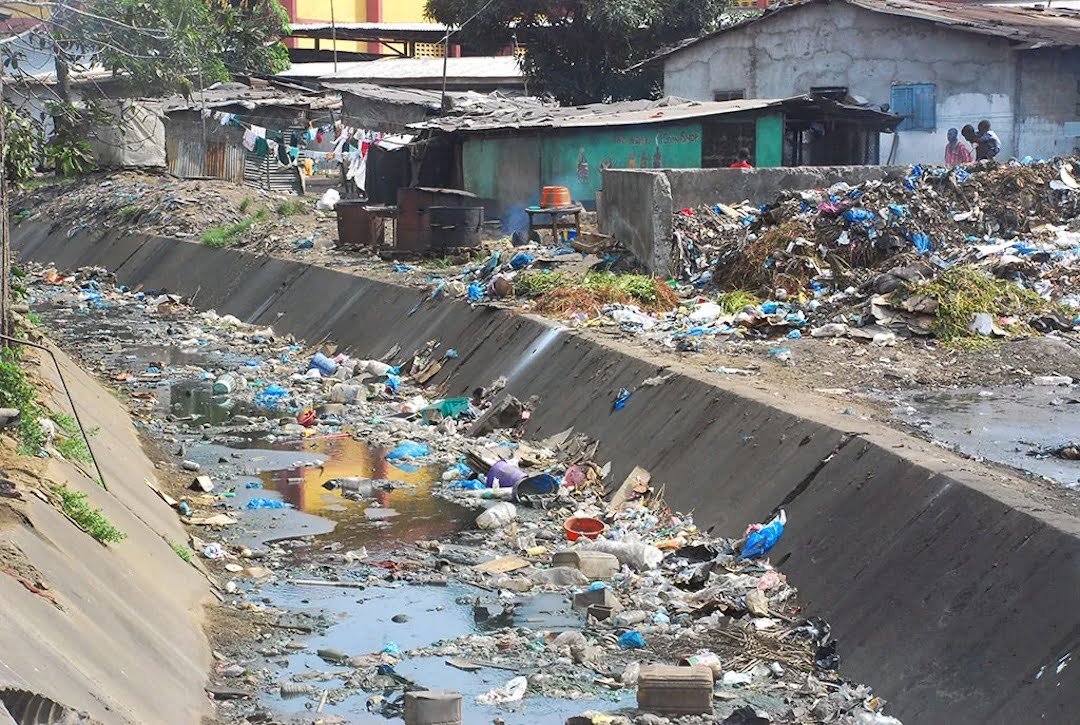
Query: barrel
(455, 226)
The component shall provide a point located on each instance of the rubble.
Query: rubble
(620, 611)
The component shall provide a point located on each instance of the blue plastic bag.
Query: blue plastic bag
(759, 542)
(521, 260)
(922, 242)
(271, 396)
(266, 503)
(620, 399)
(408, 449)
(632, 640)
(472, 484)
(476, 292)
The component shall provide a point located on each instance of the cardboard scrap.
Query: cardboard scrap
(502, 565)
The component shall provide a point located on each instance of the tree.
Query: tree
(578, 51)
(158, 46)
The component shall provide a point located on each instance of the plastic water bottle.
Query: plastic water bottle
(229, 382)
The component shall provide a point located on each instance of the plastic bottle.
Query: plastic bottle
(228, 383)
(324, 364)
(630, 618)
(498, 516)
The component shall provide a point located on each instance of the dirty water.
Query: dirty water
(1009, 425)
(364, 623)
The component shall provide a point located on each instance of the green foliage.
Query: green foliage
(735, 301)
(637, 286)
(68, 151)
(532, 284)
(245, 204)
(16, 392)
(74, 449)
(182, 551)
(22, 138)
(961, 292)
(291, 207)
(164, 46)
(578, 51)
(229, 234)
(33, 318)
(90, 520)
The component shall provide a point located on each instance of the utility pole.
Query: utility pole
(333, 33)
(5, 221)
(445, 56)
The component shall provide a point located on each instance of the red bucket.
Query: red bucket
(579, 526)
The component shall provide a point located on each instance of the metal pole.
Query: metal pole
(74, 409)
(445, 56)
(333, 33)
(5, 220)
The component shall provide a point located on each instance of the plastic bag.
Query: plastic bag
(632, 639)
(408, 449)
(763, 538)
(328, 200)
(266, 503)
(512, 691)
(636, 554)
(498, 516)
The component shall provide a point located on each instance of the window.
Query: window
(917, 103)
(837, 93)
(736, 94)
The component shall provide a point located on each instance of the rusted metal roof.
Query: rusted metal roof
(241, 94)
(1027, 26)
(634, 113)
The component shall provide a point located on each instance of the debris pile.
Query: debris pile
(146, 203)
(869, 256)
(581, 589)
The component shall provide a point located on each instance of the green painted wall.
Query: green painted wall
(769, 141)
(575, 159)
(513, 169)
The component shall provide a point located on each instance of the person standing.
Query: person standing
(956, 151)
(988, 145)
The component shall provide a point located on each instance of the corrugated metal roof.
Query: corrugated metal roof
(460, 101)
(635, 113)
(390, 70)
(240, 94)
(1028, 26)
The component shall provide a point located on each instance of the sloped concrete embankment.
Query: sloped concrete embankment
(124, 641)
(949, 592)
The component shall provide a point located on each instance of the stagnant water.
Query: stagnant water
(257, 463)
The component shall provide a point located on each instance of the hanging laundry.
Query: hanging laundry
(262, 146)
(249, 140)
(258, 131)
(206, 113)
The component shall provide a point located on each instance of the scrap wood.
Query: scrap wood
(636, 485)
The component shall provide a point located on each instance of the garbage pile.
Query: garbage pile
(656, 618)
(860, 257)
(147, 203)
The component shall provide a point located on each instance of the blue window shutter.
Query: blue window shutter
(917, 103)
(902, 104)
(925, 106)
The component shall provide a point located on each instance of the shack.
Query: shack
(506, 157)
(205, 133)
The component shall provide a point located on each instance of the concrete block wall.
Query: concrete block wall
(639, 203)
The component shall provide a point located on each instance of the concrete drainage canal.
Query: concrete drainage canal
(384, 552)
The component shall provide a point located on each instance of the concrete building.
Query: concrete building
(506, 157)
(939, 64)
(369, 13)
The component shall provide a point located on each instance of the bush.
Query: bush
(92, 521)
(16, 392)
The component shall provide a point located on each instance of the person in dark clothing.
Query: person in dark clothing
(987, 143)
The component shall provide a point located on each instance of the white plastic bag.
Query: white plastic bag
(328, 200)
(498, 516)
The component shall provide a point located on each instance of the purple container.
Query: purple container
(504, 474)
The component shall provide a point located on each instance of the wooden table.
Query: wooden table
(556, 220)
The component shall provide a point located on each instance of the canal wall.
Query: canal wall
(951, 592)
